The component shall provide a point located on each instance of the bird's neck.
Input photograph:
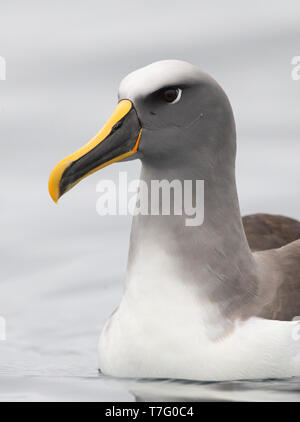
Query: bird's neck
(213, 257)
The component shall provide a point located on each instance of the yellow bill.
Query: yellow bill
(118, 139)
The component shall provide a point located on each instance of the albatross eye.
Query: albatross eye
(172, 95)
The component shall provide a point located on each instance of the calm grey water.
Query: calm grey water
(62, 266)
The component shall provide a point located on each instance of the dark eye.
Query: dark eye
(172, 95)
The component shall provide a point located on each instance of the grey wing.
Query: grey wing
(266, 231)
(275, 240)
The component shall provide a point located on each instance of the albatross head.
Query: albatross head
(170, 114)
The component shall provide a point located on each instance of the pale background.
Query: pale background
(62, 266)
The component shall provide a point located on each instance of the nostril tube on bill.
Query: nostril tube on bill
(117, 125)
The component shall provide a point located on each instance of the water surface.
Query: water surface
(62, 266)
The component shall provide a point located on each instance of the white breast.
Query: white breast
(161, 329)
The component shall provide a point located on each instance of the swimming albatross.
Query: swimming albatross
(198, 303)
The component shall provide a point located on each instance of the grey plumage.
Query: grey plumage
(267, 231)
(202, 285)
(275, 239)
(214, 257)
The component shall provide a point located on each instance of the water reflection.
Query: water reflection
(179, 390)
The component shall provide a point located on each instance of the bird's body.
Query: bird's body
(164, 328)
(172, 323)
(174, 342)
(198, 303)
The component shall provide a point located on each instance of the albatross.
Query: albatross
(202, 302)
